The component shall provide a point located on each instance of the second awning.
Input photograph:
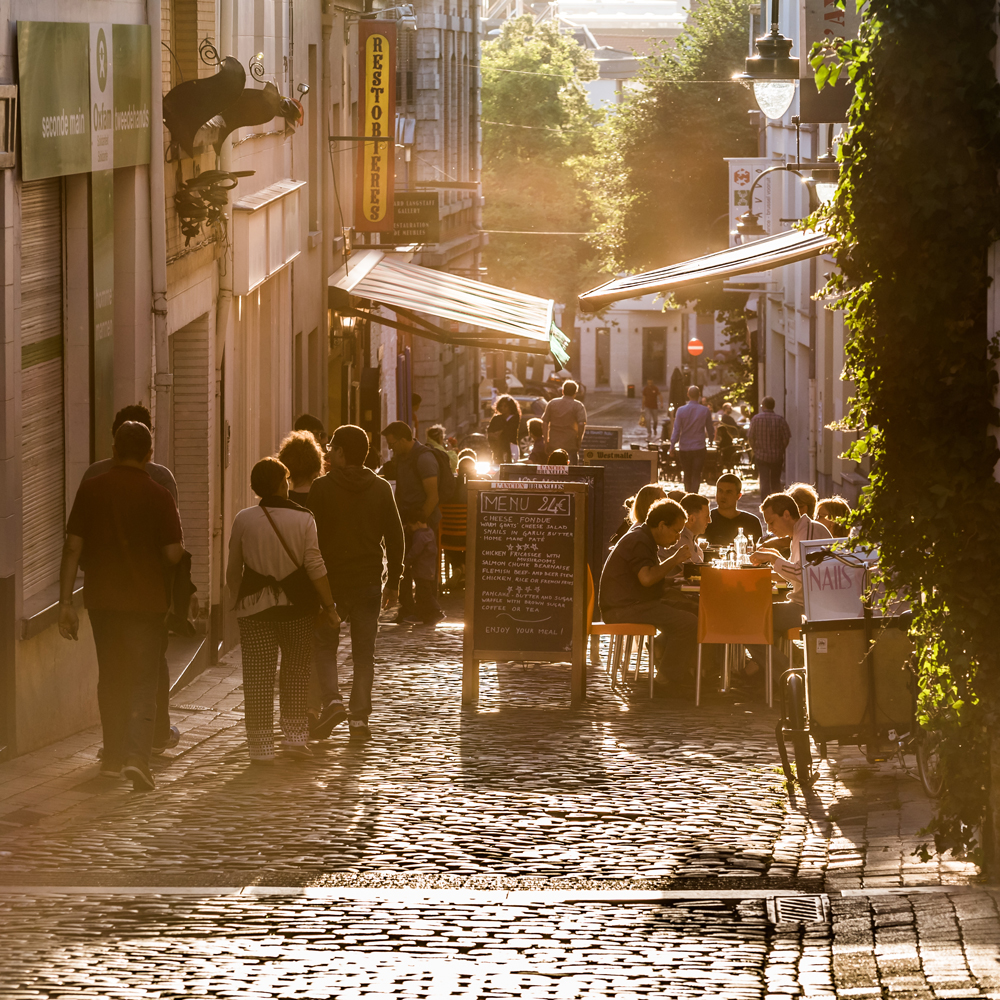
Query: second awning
(514, 320)
(761, 255)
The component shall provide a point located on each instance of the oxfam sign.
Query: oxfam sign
(84, 97)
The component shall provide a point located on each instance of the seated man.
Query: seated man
(783, 519)
(632, 585)
(727, 518)
(696, 508)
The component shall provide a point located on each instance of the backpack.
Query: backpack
(447, 483)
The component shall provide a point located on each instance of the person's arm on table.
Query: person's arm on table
(651, 575)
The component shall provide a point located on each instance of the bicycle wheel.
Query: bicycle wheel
(929, 763)
(795, 699)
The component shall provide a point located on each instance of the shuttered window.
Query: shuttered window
(42, 443)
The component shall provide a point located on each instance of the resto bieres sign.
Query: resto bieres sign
(376, 117)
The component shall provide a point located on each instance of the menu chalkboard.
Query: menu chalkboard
(595, 436)
(625, 473)
(593, 476)
(525, 577)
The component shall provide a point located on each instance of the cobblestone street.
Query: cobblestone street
(517, 849)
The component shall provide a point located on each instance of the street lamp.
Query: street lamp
(772, 72)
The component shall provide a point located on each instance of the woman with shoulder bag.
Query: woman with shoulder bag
(278, 579)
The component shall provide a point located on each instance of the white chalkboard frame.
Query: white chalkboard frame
(471, 657)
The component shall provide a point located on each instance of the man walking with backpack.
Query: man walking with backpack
(421, 479)
(357, 523)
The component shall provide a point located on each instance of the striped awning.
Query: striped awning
(504, 319)
(748, 258)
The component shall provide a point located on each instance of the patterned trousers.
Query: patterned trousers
(260, 642)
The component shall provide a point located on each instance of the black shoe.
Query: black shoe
(322, 725)
(142, 778)
(360, 733)
(173, 739)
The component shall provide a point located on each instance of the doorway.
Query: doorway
(654, 354)
(602, 356)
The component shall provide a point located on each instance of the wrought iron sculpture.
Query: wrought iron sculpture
(202, 200)
(191, 104)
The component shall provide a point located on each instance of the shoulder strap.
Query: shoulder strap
(284, 544)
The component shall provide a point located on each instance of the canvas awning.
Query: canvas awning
(761, 255)
(506, 320)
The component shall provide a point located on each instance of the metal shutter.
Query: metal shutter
(42, 447)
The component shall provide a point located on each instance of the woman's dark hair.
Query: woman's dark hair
(558, 457)
(668, 512)
(353, 441)
(267, 476)
(639, 504)
(834, 508)
(301, 455)
(510, 403)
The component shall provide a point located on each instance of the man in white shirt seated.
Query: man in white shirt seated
(782, 517)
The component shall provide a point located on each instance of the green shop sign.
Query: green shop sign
(84, 97)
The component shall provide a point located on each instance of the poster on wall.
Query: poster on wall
(376, 118)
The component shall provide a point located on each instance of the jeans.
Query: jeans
(161, 727)
(422, 604)
(769, 474)
(691, 463)
(678, 627)
(361, 605)
(652, 418)
(786, 615)
(129, 654)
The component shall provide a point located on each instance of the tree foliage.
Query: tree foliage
(662, 173)
(538, 128)
(916, 212)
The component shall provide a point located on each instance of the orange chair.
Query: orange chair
(622, 636)
(451, 533)
(734, 609)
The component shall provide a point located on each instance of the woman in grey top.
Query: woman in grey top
(269, 543)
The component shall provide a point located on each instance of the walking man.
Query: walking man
(651, 402)
(564, 421)
(358, 524)
(417, 499)
(165, 736)
(127, 530)
(769, 435)
(692, 434)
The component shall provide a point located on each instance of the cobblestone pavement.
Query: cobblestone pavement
(526, 829)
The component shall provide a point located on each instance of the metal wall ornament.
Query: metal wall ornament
(256, 65)
(190, 105)
(208, 53)
(202, 200)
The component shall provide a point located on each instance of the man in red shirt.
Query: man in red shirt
(125, 530)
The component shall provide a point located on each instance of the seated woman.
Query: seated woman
(637, 507)
(558, 457)
(834, 512)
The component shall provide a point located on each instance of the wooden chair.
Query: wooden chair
(622, 636)
(734, 609)
(451, 533)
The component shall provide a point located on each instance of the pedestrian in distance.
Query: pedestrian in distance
(359, 531)
(278, 583)
(303, 456)
(165, 736)
(652, 400)
(769, 435)
(418, 478)
(564, 421)
(503, 431)
(693, 432)
(539, 450)
(307, 422)
(127, 531)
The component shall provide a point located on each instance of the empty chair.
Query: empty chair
(734, 609)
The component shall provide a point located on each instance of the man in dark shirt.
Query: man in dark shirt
(127, 530)
(632, 585)
(165, 736)
(417, 500)
(357, 521)
(727, 518)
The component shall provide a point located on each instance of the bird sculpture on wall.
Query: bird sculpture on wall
(189, 105)
(254, 107)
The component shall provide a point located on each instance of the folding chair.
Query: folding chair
(622, 636)
(734, 609)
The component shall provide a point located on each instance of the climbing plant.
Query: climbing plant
(915, 214)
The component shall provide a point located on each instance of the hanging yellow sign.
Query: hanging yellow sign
(376, 118)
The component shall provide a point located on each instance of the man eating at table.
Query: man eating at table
(632, 588)
(781, 514)
(727, 518)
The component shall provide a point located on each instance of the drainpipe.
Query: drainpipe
(163, 378)
(813, 415)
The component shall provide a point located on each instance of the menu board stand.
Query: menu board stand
(526, 579)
